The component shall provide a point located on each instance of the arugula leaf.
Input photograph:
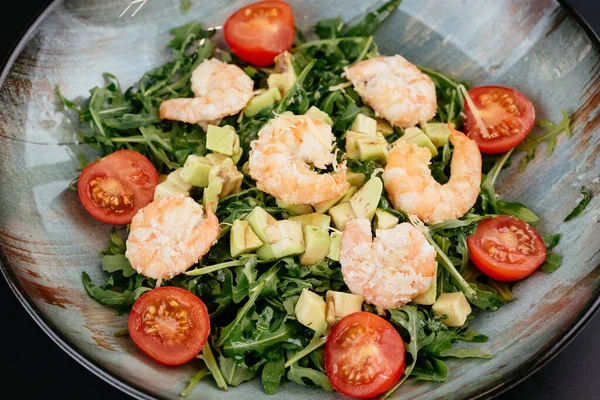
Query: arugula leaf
(209, 359)
(551, 263)
(551, 241)
(185, 6)
(587, 196)
(272, 373)
(194, 380)
(430, 369)
(309, 377)
(368, 25)
(117, 262)
(517, 210)
(487, 196)
(109, 297)
(235, 372)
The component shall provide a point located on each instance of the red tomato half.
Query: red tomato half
(364, 355)
(507, 114)
(506, 248)
(112, 189)
(169, 324)
(260, 31)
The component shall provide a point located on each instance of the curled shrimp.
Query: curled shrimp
(282, 157)
(221, 90)
(390, 270)
(396, 89)
(411, 188)
(170, 235)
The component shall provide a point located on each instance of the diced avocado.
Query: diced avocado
(365, 201)
(344, 303)
(259, 220)
(246, 168)
(315, 219)
(195, 170)
(315, 113)
(286, 238)
(310, 311)
(295, 209)
(324, 206)
(352, 144)
(242, 238)
(220, 139)
(212, 194)
(216, 158)
(418, 137)
(335, 246)
(438, 132)
(341, 214)
(262, 101)
(455, 306)
(317, 243)
(356, 179)
(175, 178)
(372, 148)
(237, 150)
(229, 175)
(168, 188)
(364, 124)
(384, 127)
(384, 220)
(348, 195)
(428, 298)
(285, 76)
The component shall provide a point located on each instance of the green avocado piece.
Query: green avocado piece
(352, 138)
(317, 242)
(295, 209)
(259, 220)
(384, 127)
(168, 188)
(335, 246)
(364, 124)
(341, 214)
(365, 201)
(195, 171)
(262, 101)
(285, 75)
(324, 206)
(314, 219)
(372, 149)
(356, 179)
(418, 137)
(212, 194)
(220, 139)
(286, 238)
(175, 178)
(438, 133)
(429, 297)
(315, 113)
(242, 238)
(230, 177)
(216, 158)
(348, 195)
(384, 220)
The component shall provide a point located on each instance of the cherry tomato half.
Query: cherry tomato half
(169, 324)
(507, 114)
(113, 189)
(506, 248)
(364, 355)
(260, 31)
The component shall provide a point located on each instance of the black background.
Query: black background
(35, 367)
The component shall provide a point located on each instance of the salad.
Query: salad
(298, 206)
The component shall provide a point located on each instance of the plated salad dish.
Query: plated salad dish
(298, 206)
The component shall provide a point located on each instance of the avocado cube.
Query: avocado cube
(310, 310)
(364, 202)
(352, 138)
(364, 124)
(428, 298)
(220, 139)
(212, 194)
(418, 137)
(348, 195)
(372, 149)
(195, 171)
(286, 238)
(262, 101)
(216, 158)
(168, 188)
(315, 219)
(229, 175)
(317, 242)
(324, 206)
(259, 220)
(384, 220)
(455, 306)
(175, 178)
(285, 76)
(356, 179)
(341, 214)
(295, 209)
(344, 303)
(242, 238)
(384, 127)
(438, 133)
(237, 150)
(315, 113)
(335, 246)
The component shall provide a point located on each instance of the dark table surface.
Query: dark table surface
(37, 367)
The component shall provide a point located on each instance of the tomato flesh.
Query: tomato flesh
(115, 187)
(169, 324)
(260, 31)
(506, 248)
(508, 116)
(364, 355)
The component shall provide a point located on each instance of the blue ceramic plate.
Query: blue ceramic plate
(47, 239)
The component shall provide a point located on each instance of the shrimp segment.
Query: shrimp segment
(282, 156)
(390, 270)
(221, 90)
(411, 188)
(396, 89)
(170, 235)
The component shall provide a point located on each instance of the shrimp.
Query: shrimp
(221, 90)
(411, 188)
(390, 270)
(396, 89)
(170, 235)
(281, 159)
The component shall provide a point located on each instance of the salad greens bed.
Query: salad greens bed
(254, 331)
